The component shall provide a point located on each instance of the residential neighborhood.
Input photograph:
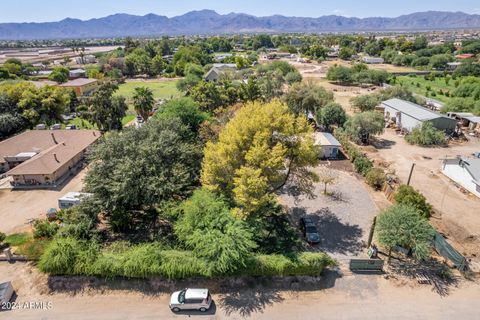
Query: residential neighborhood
(311, 162)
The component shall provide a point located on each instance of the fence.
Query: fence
(448, 252)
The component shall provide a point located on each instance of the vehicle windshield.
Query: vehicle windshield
(181, 296)
(311, 229)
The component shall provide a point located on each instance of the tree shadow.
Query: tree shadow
(335, 236)
(246, 303)
(432, 272)
(338, 196)
(380, 143)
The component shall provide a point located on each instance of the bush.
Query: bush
(68, 256)
(60, 257)
(426, 135)
(305, 263)
(376, 178)
(44, 229)
(362, 165)
(409, 196)
(2, 236)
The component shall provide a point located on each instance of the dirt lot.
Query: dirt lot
(343, 218)
(337, 296)
(458, 213)
(20, 206)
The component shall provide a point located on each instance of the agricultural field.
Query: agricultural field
(430, 88)
(162, 89)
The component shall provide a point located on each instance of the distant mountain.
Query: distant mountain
(210, 22)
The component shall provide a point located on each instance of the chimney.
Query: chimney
(55, 156)
(54, 140)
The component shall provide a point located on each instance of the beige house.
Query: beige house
(44, 157)
(81, 86)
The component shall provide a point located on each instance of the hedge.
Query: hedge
(67, 256)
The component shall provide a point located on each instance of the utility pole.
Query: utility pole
(372, 230)
(410, 175)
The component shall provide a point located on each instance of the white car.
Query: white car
(191, 299)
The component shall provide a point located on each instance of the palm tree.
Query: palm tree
(143, 101)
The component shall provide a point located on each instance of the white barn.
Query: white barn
(407, 115)
(329, 146)
(465, 172)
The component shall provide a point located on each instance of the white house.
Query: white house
(465, 172)
(329, 146)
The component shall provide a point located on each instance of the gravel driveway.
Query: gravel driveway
(343, 218)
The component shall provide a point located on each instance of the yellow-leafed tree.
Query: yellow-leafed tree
(262, 149)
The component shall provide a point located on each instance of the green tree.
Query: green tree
(346, 53)
(103, 108)
(409, 196)
(185, 109)
(362, 125)
(340, 74)
(401, 225)
(211, 231)
(152, 164)
(143, 101)
(365, 102)
(261, 149)
(426, 135)
(332, 114)
(308, 97)
(59, 74)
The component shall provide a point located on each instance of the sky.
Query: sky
(54, 10)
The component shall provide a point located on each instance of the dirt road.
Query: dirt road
(347, 297)
(19, 206)
(458, 213)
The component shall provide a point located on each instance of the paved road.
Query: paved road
(350, 297)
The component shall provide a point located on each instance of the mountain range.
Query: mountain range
(210, 22)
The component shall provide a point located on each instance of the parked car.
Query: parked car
(309, 230)
(140, 119)
(56, 126)
(6, 293)
(71, 127)
(191, 299)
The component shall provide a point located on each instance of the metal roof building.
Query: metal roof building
(329, 146)
(407, 115)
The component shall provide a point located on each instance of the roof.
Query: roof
(78, 82)
(196, 293)
(473, 119)
(326, 139)
(225, 66)
(413, 110)
(473, 167)
(464, 56)
(54, 148)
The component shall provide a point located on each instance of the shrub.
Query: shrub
(44, 229)
(305, 263)
(60, 256)
(376, 178)
(362, 165)
(426, 135)
(2, 236)
(409, 196)
(68, 256)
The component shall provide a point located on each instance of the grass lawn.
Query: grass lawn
(165, 89)
(81, 124)
(127, 119)
(419, 85)
(33, 249)
(18, 239)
